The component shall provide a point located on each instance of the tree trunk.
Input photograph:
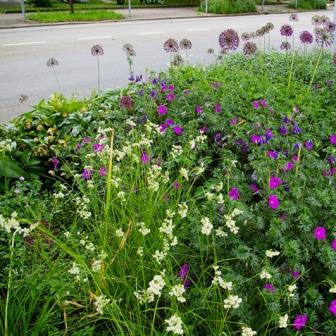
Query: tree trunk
(72, 11)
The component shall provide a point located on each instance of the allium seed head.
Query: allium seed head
(259, 33)
(270, 26)
(324, 38)
(185, 44)
(324, 19)
(245, 36)
(97, 50)
(250, 48)
(52, 62)
(170, 46)
(128, 48)
(285, 46)
(210, 51)
(316, 20)
(229, 39)
(329, 26)
(294, 17)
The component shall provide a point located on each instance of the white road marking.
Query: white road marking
(151, 33)
(22, 43)
(93, 38)
(198, 29)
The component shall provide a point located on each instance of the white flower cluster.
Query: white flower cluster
(150, 127)
(82, 204)
(220, 232)
(200, 169)
(185, 173)
(332, 290)
(176, 151)
(247, 331)
(283, 321)
(155, 176)
(271, 253)
(100, 302)
(174, 325)
(206, 226)
(154, 289)
(7, 145)
(230, 222)
(233, 301)
(75, 270)
(265, 275)
(87, 244)
(178, 291)
(119, 233)
(183, 209)
(199, 140)
(218, 280)
(291, 290)
(121, 196)
(142, 228)
(13, 223)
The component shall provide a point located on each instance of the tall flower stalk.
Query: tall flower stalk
(53, 63)
(130, 53)
(294, 18)
(97, 50)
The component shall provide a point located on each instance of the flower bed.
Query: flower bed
(197, 202)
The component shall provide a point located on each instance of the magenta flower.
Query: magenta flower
(198, 109)
(296, 274)
(145, 157)
(162, 110)
(176, 185)
(102, 171)
(234, 194)
(255, 104)
(254, 188)
(169, 122)
(55, 162)
(233, 121)
(306, 37)
(332, 307)
(86, 174)
(163, 128)
(309, 145)
(273, 201)
(300, 321)
(274, 182)
(272, 154)
(333, 244)
(263, 103)
(178, 130)
(333, 139)
(183, 272)
(97, 147)
(286, 30)
(256, 139)
(269, 288)
(288, 166)
(170, 97)
(218, 108)
(320, 233)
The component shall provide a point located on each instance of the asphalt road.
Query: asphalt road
(25, 51)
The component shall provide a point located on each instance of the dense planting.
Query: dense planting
(196, 202)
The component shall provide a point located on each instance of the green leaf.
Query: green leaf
(10, 168)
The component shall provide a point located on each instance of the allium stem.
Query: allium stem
(98, 73)
(109, 178)
(315, 70)
(9, 282)
(291, 70)
(58, 83)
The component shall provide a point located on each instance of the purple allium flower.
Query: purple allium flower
(296, 274)
(269, 288)
(332, 307)
(256, 104)
(229, 39)
(126, 102)
(288, 166)
(233, 121)
(86, 174)
(234, 194)
(293, 17)
(320, 233)
(254, 188)
(97, 147)
(306, 37)
(330, 27)
(282, 216)
(198, 109)
(97, 50)
(170, 97)
(256, 139)
(286, 30)
(332, 139)
(274, 182)
(283, 130)
(272, 154)
(176, 185)
(162, 109)
(55, 162)
(333, 244)
(300, 321)
(178, 130)
(309, 145)
(52, 62)
(145, 157)
(295, 157)
(185, 44)
(286, 120)
(170, 46)
(324, 38)
(263, 103)
(218, 137)
(285, 46)
(218, 108)
(273, 201)
(102, 171)
(250, 48)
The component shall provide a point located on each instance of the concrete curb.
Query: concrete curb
(28, 25)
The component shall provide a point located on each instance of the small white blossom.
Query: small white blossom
(176, 151)
(97, 266)
(272, 253)
(185, 173)
(122, 196)
(291, 289)
(283, 321)
(206, 226)
(100, 302)
(119, 233)
(74, 270)
(233, 301)
(143, 229)
(265, 275)
(332, 290)
(220, 233)
(183, 209)
(140, 251)
(174, 325)
(144, 296)
(156, 285)
(247, 331)
(178, 292)
(67, 234)
(219, 187)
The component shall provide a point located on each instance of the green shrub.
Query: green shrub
(41, 3)
(310, 4)
(229, 6)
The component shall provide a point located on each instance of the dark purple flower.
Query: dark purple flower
(162, 109)
(295, 158)
(288, 166)
(306, 37)
(55, 162)
(333, 244)
(330, 26)
(331, 159)
(204, 129)
(86, 174)
(256, 139)
(269, 288)
(97, 147)
(78, 147)
(170, 46)
(102, 171)
(286, 30)
(272, 154)
(153, 94)
(234, 194)
(309, 145)
(320, 233)
(170, 97)
(273, 201)
(296, 129)
(229, 39)
(296, 274)
(169, 122)
(178, 130)
(126, 102)
(263, 103)
(332, 139)
(218, 137)
(184, 271)
(187, 283)
(269, 134)
(332, 307)
(254, 188)
(256, 104)
(145, 157)
(283, 130)
(233, 121)
(218, 108)
(198, 109)
(176, 185)
(163, 128)
(300, 321)
(274, 182)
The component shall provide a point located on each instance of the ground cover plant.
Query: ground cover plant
(229, 6)
(200, 201)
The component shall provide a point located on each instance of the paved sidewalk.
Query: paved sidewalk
(17, 21)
